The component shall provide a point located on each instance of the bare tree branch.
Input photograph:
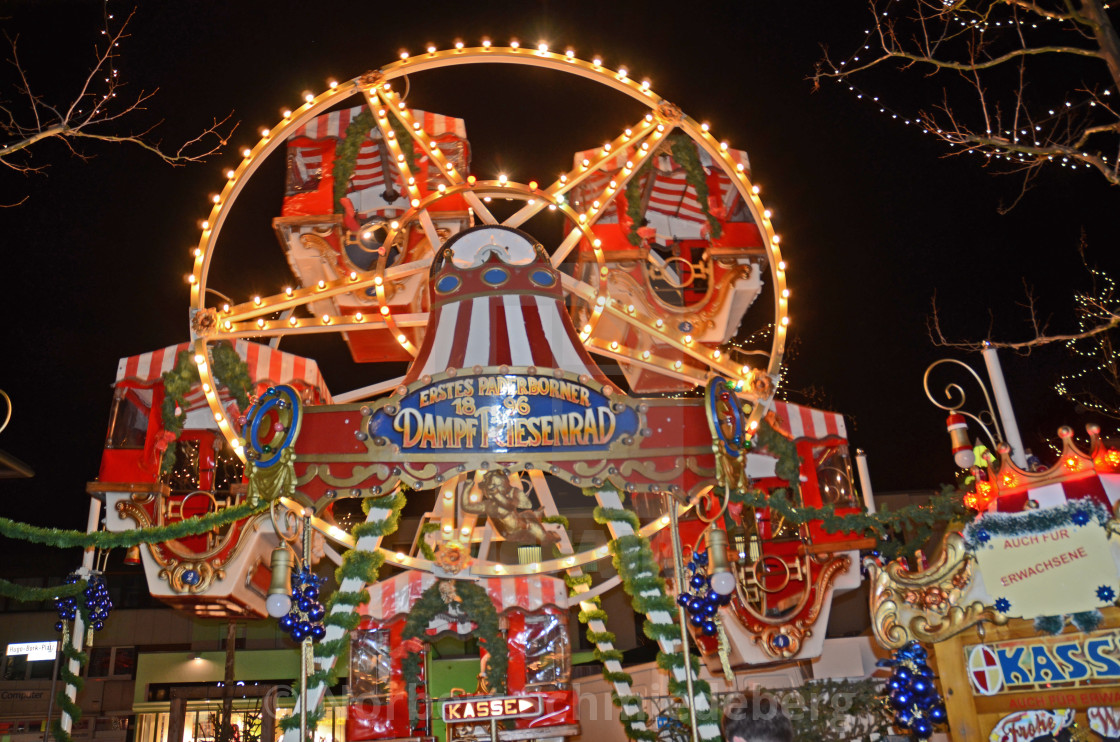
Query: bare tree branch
(1025, 83)
(91, 114)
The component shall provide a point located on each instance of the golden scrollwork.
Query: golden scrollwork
(925, 604)
(648, 469)
(782, 639)
(358, 474)
(191, 577)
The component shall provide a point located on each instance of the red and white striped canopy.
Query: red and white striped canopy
(1101, 488)
(266, 367)
(502, 329)
(806, 422)
(369, 171)
(397, 595)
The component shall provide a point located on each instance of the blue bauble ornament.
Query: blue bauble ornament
(316, 613)
(695, 606)
(922, 728)
(58, 626)
(311, 592)
(724, 599)
(710, 609)
(937, 714)
(697, 582)
(709, 628)
(287, 622)
(902, 699)
(920, 686)
(895, 684)
(304, 604)
(98, 625)
(305, 628)
(297, 633)
(904, 718)
(683, 598)
(318, 632)
(696, 619)
(925, 672)
(903, 673)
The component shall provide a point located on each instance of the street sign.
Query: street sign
(34, 650)
(492, 708)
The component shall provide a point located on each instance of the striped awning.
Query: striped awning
(504, 329)
(397, 595)
(369, 170)
(1103, 489)
(267, 366)
(806, 422)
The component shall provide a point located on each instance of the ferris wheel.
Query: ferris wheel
(613, 251)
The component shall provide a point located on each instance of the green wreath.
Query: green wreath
(479, 609)
(347, 149)
(227, 366)
(685, 155)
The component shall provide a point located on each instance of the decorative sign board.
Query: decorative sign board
(1025, 726)
(34, 650)
(1061, 569)
(1105, 721)
(1063, 671)
(492, 708)
(504, 413)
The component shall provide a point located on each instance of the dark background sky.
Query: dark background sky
(874, 220)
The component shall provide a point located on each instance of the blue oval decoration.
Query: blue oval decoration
(447, 284)
(543, 278)
(495, 276)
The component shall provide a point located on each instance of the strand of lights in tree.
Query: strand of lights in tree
(991, 150)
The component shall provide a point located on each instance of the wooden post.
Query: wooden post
(268, 716)
(225, 733)
(957, 691)
(177, 719)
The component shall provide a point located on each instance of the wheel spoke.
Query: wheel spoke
(625, 143)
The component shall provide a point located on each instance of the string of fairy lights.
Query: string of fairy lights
(1095, 355)
(1041, 138)
(260, 315)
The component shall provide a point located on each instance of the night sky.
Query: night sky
(874, 220)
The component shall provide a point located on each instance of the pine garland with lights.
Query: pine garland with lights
(479, 608)
(228, 370)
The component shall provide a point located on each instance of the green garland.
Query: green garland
(365, 567)
(634, 209)
(479, 609)
(685, 155)
(26, 594)
(68, 677)
(228, 369)
(62, 539)
(347, 148)
(906, 529)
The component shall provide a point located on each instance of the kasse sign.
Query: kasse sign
(504, 413)
(492, 708)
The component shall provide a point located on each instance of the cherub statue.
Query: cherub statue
(510, 510)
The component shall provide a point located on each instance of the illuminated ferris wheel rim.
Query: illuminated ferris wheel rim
(376, 87)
